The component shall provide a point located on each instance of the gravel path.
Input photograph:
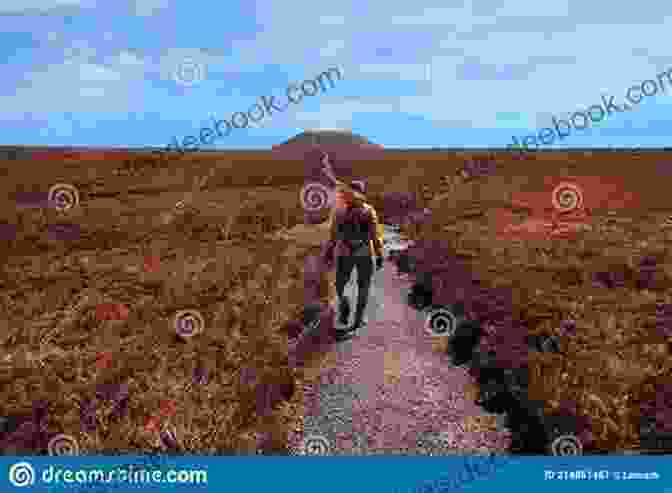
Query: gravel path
(390, 392)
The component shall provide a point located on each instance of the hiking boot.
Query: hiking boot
(344, 311)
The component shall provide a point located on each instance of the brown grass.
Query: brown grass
(617, 353)
(218, 257)
(221, 256)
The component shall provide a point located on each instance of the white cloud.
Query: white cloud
(92, 92)
(148, 8)
(564, 55)
(97, 73)
(339, 114)
(431, 16)
(54, 37)
(130, 65)
(126, 58)
(400, 71)
(75, 84)
(79, 50)
(19, 6)
(332, 20)
(332, 48)
(558, 8)
(554, 59)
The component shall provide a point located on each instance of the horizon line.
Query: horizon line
(278, 147)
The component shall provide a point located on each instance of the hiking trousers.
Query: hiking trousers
(365, 268)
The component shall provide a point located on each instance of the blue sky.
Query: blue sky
(415, 74)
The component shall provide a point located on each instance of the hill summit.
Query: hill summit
(327, 137)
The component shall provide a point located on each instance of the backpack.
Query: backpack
(354, 229)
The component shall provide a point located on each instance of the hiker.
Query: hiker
(328, 171)
(356, 234)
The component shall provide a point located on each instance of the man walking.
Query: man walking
(356, 234)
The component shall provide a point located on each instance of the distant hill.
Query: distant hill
(328, 138)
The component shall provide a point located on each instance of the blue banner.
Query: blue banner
(391, 474)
